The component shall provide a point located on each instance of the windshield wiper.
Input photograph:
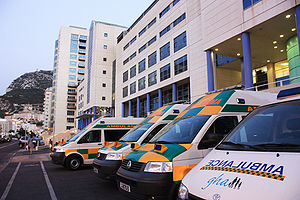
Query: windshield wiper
(240, 145)
(164, 142)
(279, 145)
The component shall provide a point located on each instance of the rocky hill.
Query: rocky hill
(27, 89)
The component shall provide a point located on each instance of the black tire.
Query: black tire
(73, 162)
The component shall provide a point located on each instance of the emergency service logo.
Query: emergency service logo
(222, 181)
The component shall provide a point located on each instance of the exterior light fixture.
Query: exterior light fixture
(216, 49)
(239, 39)
(293, 29)
(268, 61)
(275, 47)
(281, 36)
(281, 50)
(275, 42)
(287, 16)
(238, 54)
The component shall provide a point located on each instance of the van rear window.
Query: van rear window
(114, 135)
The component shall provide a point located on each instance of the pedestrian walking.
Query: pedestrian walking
(50, 144)
(30, 144)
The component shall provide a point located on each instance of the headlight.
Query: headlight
(158, 167)
(114, 156)
(183, 192)
(60, 150)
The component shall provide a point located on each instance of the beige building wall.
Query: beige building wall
(47, 108)
(196, 73)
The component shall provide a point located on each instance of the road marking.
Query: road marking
(5, 165)
(50, 188)
(8, 145)
(11, 181)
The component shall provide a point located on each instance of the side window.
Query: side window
(114, 135)
(91, 137)
(153, 133)
(220, 128)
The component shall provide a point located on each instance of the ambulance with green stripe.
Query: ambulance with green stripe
(259, 159)
(155, 170)
(109, 159)
(83, 147)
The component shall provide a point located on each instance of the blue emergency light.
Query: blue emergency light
(288, 93)
(157, 147)
(102, 122)
(240, 101)
(175, 111)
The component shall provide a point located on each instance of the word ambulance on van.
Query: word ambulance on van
(156, 169)
(259, 159)
(109, 159)
(83, 147)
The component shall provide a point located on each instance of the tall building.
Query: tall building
(47, 108)
(69, 69)
(94, 93)
(160, 58)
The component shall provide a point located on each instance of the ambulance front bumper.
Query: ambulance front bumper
(58, 157)
(106, 169)
(144, 185)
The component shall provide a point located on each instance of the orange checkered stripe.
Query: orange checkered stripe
(246, 171)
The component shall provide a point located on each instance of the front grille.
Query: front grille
(102, 156)
(135, 166)
(193, 197)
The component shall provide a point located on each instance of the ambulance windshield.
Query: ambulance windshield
(135, 133)
(74, 138)
(270, 128)
(181, 131)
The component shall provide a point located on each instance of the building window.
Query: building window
(125, 61)
(152, 59)
(165, 51)
(162, 13)
(70, 120)
(180, 65)
(125, 76)
(180, 42)
(175, 2)
(152, 79)
(73, 63)
(142, 83)
(179, 19)
(133, 71)
(103, 84)
(105, 34)
(164, 31)
(125, 91)
(72, 77)
(104, 72)
(103, 98)
(74, 37)
(152, 40)
(69, 127)
(72, 70)
(132, 56)
(69, 112)
(167, 96)
(183, 92)
(142, 48)
(105, 46)
(173, 24)
(74, 46)
(133, 88)
(151, 23)
(165, 72)
(104, 59)
(249, 3)
(73, 57)
(142, 31)
(154, 102)
(80, 71)
(142, 65)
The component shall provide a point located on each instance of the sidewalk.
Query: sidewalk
(39, 155)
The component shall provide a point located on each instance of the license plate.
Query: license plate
(96, 170)
(125, 187)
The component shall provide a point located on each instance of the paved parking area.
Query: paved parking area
(33, 177)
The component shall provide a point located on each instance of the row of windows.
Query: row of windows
(162, 13)
(180, 65)
(147, 27)
(173, 24)
(179, 43)
(129, 58)
(249, 3)
(147, 44)
(76, 37)
(129, 43)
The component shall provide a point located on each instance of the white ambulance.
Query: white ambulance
(259, 159)
(83, 147)
(109, 159)
(155, 170)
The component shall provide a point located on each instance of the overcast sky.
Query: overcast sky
(29, 28)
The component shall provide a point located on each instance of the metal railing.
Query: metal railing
(257, 87)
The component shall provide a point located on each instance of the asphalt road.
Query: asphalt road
(7, 151)
(23, 179)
